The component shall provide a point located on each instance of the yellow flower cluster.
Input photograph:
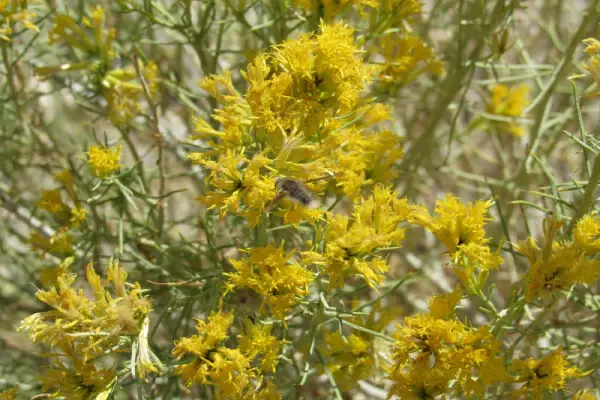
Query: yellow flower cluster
(95, 42)
(301, 117)
(433, 350)
(67, 217)
(435, 354)
(508, 102)
(593, 64)
(461, 229)
(560, 264)
(549, 373)
(405, 57)
(235, 373)
(13, 12)
(352, 241)
(355, 357)
(269, 272)
(84, 331)
(102, 161)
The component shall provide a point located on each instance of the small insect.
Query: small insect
(294, 190)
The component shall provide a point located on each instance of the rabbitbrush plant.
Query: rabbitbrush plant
(299, 199)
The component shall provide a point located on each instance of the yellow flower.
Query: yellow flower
(351, 242)
(586, 234)
(593, 64)
(508, 102)
(84, 329)
(210, 335)
(98, 42)
(60, 243)
(257, 341)
(560, 264)
(81, 380)
(303, 81)
(547, 374)
(51, 201)
(104, 162)
(349, 358)
(230, 371)
(461, 229)
(123, 93)
(77, 216)
(13, 12)
(405, 57)
(243, 187)
(49, 276)
(268, 272)
(442, 306)
(430, 353)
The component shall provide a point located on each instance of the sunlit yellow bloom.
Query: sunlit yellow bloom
(560, 264)
(257, 341)
(14, 12)
(60, 243)
(79, 381)
(508, 102)
(405, 57)
(102, 161)
(351, 242)
(77, 216)
(442, 306)
(350, 359)
(301, 82)
(431, 353)
(49, 276)
(83, 329)
(586, 235)
(240, 186)
(230, 371)
(547, 374)
(97, 42)
(461, 229)
(123, 93)
(269, 272)
(593, 64)
(51, 201)
(210, 335)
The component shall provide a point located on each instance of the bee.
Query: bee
(294, 190)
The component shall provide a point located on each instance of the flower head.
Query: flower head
(269, 272)
(104, 162)
(461, 229)
(593, 64)
(351, 242)
(557, 265)
(431, 353)
(84, 329)
(14, 12)
(508, 102)
(549, 373)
